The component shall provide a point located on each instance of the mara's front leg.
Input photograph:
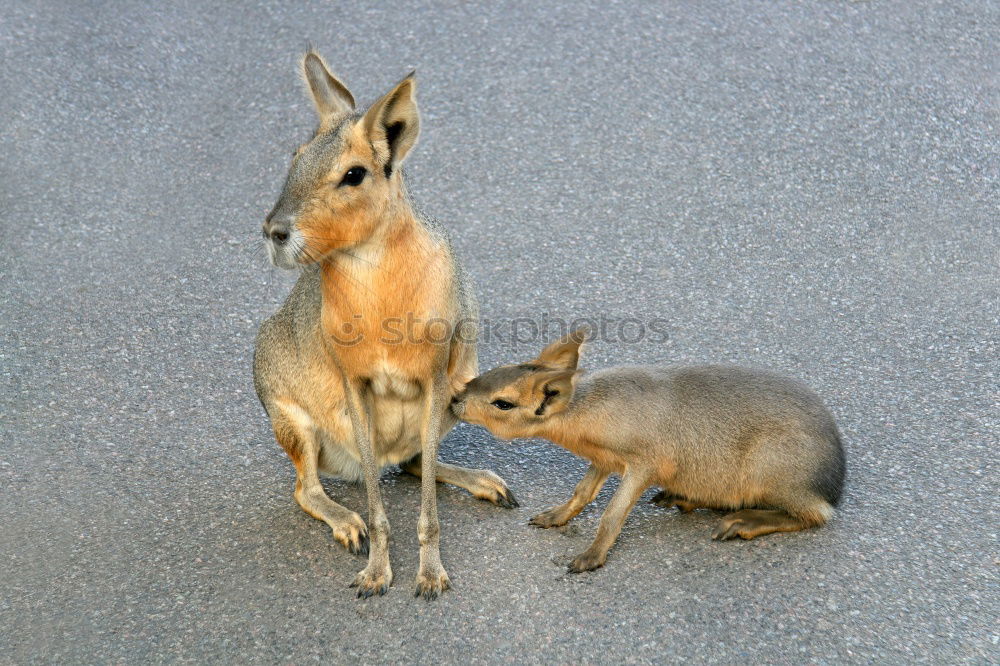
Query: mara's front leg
(432, 579)
(631, 487)
(584, 494)
(377, 576)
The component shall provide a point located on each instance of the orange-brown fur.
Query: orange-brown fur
(711, 436)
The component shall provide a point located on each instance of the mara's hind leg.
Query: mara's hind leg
(480, 482)
(669, 500)
(751, 523)
(294, 431)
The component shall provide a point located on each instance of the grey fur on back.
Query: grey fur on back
(714, 412)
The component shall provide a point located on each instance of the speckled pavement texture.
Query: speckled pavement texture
(810, 187)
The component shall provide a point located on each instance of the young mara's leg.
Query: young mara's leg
(631, 487)
(480, 482)
(750, 523)
(294, 430)
(585, 492)
(669, 500)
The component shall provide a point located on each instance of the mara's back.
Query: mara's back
(712, 420)
(286, 335)
(705, 394)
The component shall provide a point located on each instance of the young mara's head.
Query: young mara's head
(514, 400)
(342, 180)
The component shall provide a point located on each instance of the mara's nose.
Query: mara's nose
(276, 231)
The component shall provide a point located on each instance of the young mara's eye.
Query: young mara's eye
(354, 176)
(503, 404)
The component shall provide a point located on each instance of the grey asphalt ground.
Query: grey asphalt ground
(810, 187)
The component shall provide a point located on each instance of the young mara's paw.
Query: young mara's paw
(587, 561)
(669, 501)
(551, 518)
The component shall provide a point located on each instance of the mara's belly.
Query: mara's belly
(396, 438)
(713, 485)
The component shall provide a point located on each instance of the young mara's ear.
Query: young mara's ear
(554, 390)
(564, 353)
(330, 95)
(393, 123)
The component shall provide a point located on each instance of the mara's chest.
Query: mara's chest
(602, 456)
(390, 321)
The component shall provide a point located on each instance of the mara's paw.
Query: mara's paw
(352, 534)
(492, 488)
(431, 583)
(752, 523)
(669, 501)
(734, 526)
(373, 581)
(663, 498)
(551, 518)
(587, 561)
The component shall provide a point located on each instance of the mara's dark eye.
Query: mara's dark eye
(503, 404)
(354, 176)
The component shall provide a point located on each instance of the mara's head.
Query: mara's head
(346, 178)
(515, 400)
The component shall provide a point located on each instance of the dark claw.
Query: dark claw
(507, 500)
(667, 500)
(367, 592)
(428, 593)
(362, 546)
(725, 534)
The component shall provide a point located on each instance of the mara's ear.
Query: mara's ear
(332, 98)
(564, 353)
(553, 391)
(393, 123)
